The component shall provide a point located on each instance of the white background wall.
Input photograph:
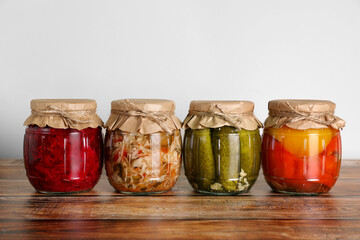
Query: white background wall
(180, 50)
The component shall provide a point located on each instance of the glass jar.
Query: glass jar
(58, 157)
(305, 160)
(142, 163)
(301, 161)
(142, 146)
(221, 160)
(62, 160)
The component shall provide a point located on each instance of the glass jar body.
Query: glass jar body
(63, 160)
(301, 161)
(222, 161)
(142, 163)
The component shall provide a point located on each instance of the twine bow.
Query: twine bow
(325, 118)
(72, 117)
(233, 119)
(217, 111)
(159, 117)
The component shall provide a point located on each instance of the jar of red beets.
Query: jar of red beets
(63, 145)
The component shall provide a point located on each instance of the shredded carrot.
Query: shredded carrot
(139, 159)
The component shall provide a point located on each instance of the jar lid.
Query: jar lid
(64, 113)
(303, 114)
(302, 105)
(213, 114)
(63, 104)
(145, 116)
(152, 105)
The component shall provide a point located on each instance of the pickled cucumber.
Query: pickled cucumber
(188, 154)
(250, 153)
(222, 160)
(202, 159)
(226, 148)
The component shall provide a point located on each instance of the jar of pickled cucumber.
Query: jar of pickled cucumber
(301, 146)
(221, 147)
(63, 145)
(142, 146)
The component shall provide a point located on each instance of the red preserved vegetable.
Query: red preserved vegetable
(309, 169)
(63, 160)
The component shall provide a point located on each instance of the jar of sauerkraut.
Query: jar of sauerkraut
(143, 146)
(63, 145)
(222, 147)
(301, 146)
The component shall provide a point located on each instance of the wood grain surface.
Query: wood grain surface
(178, 214)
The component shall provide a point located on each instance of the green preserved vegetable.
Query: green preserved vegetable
(226, 148)
(202, 163)
(190, 169)
(250, 153)
(222, 160)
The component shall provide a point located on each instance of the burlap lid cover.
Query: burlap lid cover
(303, 114)
(64, 113)
(145, 116)
(213, 114)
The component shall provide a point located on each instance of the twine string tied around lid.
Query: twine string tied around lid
(158, 117)
(216, 111)
(69, 116)
(323, 118)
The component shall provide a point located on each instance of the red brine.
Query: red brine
(63, 160)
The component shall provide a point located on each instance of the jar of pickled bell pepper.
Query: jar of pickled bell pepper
(301, 146)
(221, 147)
(63, 145)
(143, 146)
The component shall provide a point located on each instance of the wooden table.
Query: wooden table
(177, 214)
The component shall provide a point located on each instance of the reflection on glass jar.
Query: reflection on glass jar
(301, 161)
(63, 160)
(223, 160)
(142, 163)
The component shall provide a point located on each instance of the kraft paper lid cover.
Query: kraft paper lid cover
(303, 114)
(213, 114)
(144, 116)
(64, 113)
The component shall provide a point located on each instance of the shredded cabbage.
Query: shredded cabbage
(144, 163)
